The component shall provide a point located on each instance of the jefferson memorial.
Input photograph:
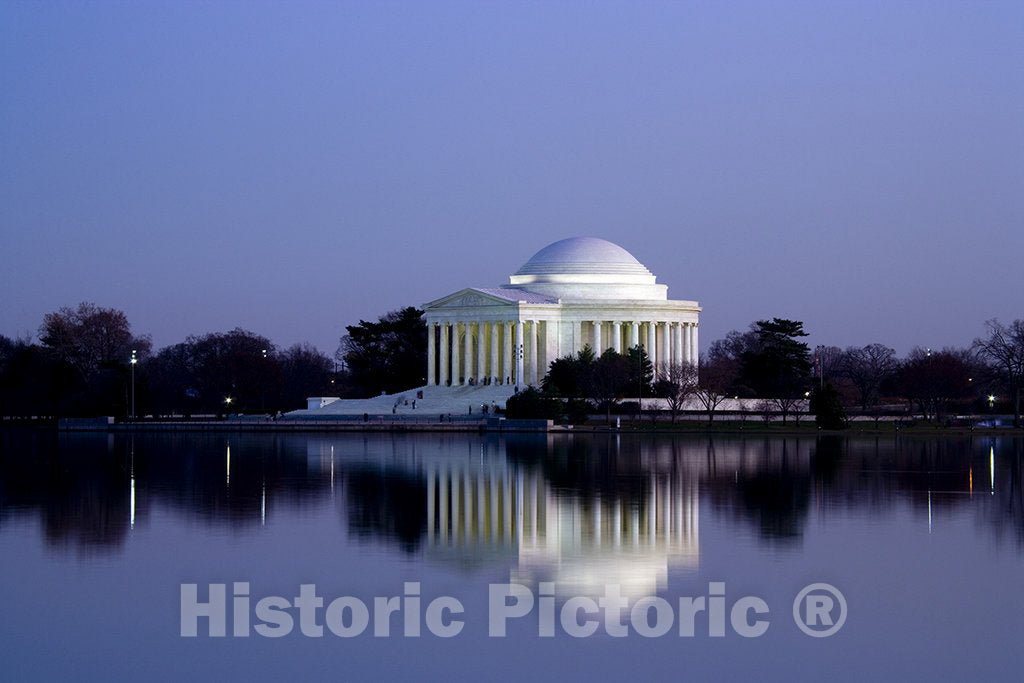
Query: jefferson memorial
(573, 293)
(484, 343)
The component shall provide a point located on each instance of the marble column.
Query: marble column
(634, 334)
(534, 341)
(616, 336)
(481, 351)
(696, 355)
(677, 338)
(691, 347)
(495, 370)
(577, 337)
(596, 341)
(430, 354)
(685, 334)
(506, 368)
(519, 353)
(651, 345)
(666, 345)
(456, 360)
(468, 355)
(443, 375)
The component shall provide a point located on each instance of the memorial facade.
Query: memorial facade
(577, 292)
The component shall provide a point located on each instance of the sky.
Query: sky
(291, 168)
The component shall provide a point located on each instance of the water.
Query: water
(923, 537)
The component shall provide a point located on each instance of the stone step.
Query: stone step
(455, 401)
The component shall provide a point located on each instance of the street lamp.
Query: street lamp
(263, 385)
(133, 361)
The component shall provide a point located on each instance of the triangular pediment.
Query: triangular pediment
(468, 298)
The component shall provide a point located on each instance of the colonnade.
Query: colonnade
(517, 351)
(485, 352)
(666, 342)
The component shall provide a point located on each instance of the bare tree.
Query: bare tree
(785, 406)
(716, 376)
(933, 380)
(1003, 349)
(743, 413)
(677, 384)
(89, 337)
(867, 367)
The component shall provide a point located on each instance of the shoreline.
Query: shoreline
(495, 425)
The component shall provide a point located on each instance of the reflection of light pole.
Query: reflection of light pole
(133, 361)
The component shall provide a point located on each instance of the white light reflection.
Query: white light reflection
(929, 512)
(992, 469)
(131, 487)
(228, 476)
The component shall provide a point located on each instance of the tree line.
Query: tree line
(770, 362)
(87, 361)
(82, 364)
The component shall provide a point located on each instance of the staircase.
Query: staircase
(455, 401)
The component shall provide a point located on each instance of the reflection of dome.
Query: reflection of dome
(586, 256)
(587, 268)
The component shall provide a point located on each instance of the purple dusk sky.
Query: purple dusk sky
(293, 167)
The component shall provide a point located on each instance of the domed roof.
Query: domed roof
(583, 256)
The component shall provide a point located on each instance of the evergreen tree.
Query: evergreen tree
(388, 355)
(777, 364)
(827, 408)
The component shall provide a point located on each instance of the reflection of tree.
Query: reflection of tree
(777, 503)
(390, 504)
(78, 485)
(81, 484)
(774, 496)
(588, 467)
(80, 501)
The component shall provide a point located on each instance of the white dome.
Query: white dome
(583, 256)
(581, 268)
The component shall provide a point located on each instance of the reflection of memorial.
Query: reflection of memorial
(585, 544)
(491, 499)
(574, 509)
(580, 543)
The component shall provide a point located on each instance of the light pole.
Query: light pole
(133, 361)
(263, 384)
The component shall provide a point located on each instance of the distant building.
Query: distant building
(484, 343)
(573, 293)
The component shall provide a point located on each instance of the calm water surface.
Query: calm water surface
(924, 538)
